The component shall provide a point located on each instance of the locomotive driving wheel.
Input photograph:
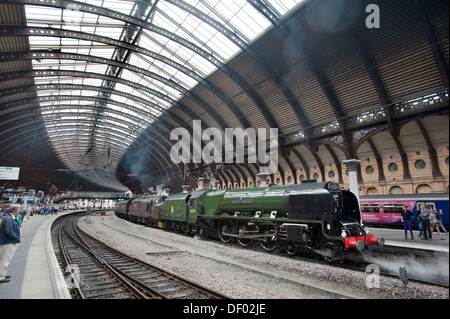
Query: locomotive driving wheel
(224, 227)
(270, 244)
(244, 227)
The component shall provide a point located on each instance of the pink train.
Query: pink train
(387, 209)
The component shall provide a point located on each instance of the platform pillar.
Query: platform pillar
(352, 166)
(214, 184)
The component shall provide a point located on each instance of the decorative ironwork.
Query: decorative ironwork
(359, 135)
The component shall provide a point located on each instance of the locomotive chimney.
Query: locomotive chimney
(201, 183)
(263, 179)
(185, 188)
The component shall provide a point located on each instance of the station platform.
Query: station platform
(34, 270)
(396, 237)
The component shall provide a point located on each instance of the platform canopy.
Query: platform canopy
(91, 90)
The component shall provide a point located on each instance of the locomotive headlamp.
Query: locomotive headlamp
(343, 233)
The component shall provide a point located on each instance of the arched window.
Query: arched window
(424, 189)
(396, 190)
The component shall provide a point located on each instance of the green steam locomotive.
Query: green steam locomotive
(317, 216)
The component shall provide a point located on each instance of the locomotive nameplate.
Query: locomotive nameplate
(242, 201)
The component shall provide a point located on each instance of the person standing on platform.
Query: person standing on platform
(407, 216)
(426, 214)
(4, 212)
(439, 221)
(419, 212)
(9, 240)
(434, 222)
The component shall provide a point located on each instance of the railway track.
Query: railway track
(96, 271)
(425, 266)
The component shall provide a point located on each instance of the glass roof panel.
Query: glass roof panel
(199, 40)
(283, 6)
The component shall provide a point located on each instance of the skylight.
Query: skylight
(165, 46)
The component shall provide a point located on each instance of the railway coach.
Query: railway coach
(385, 210)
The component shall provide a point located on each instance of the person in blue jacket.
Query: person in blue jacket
(426, 215)
(9, 240)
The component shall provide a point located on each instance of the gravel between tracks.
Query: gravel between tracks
(243, 273)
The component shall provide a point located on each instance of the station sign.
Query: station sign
(9, 173)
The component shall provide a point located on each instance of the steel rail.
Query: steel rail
(175, 277)
(116, 274)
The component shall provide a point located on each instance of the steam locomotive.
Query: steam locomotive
(317, 216)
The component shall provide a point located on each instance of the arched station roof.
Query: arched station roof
(91, 90)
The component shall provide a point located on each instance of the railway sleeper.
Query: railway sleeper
(104, 293)
(155, 276)
(135, 273)
(124, 264)
(95, 277)
(157, 281)
(100, 286)
(92, 272)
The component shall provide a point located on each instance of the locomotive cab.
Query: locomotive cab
(320, 202)
(313, 201)
(195, 203)
(350, 209)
